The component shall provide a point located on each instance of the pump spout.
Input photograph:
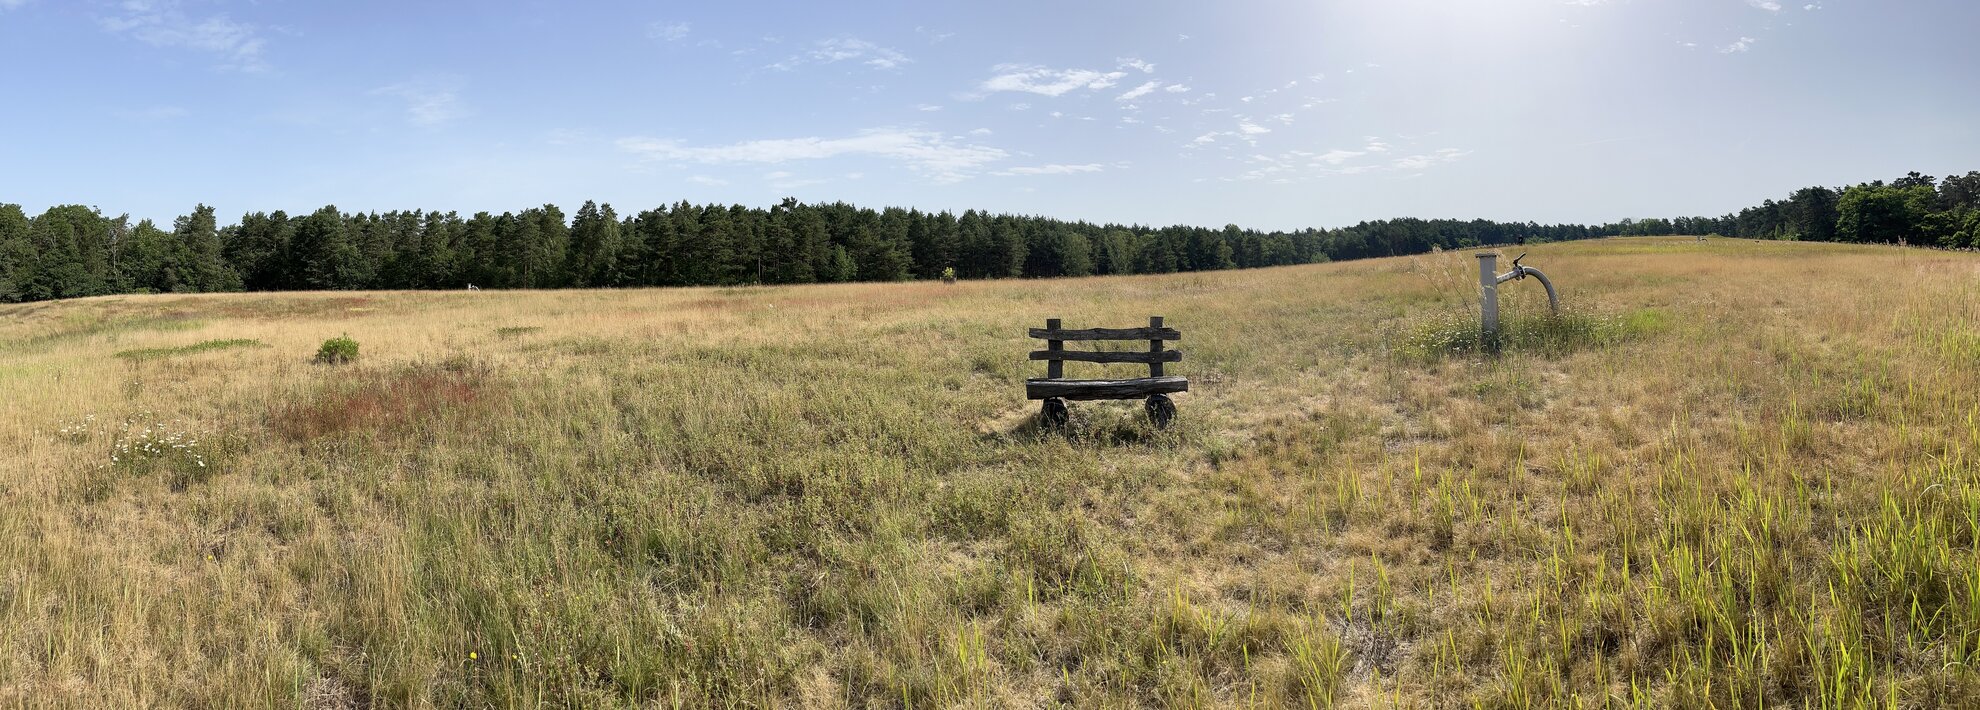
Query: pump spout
(1520, 271)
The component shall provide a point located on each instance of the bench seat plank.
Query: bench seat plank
(1084, 390)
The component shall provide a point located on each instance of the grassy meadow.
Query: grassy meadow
(1737, 475)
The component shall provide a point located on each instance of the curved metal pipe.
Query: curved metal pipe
(1520, 272)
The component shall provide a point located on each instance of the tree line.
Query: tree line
(71, 251)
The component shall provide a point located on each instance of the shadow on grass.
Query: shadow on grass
(1098, 423)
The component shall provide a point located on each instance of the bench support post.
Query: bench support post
(1161, 410)
(1054, 413)
(1054, 369)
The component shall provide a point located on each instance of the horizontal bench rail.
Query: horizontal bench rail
(1086, 390)
(1106, 334)
(1110, 357)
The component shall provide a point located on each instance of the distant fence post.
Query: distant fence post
(1488, 296)
(1155, 346)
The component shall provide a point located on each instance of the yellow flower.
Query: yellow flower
(472, 656)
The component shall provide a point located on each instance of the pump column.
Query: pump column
(1488, 295)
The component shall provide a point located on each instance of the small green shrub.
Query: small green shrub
(338, 350)
(949, 275)
(516, 330)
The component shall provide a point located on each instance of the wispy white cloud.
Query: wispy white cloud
(706, 180)
(1370, 157)
(1419, 162)
(1338, 156)
(846, 49)
(926, 152)
(161, 23)
(787, 180)
(1768, 5)
(1744, 43)
(1176, 89)
(429, 102)
(928, 107)
(1246, 127)
(668, 31)
(1034, 79)
(1054, 169)
(1139, 91)
(1132, 63)
(568, 136)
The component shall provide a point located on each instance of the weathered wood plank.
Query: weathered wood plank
(1106, 334)
(1083, 390)
(1092, 356)
(1057, 368)
(1155, 346)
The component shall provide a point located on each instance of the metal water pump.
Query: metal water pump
(1488, 285)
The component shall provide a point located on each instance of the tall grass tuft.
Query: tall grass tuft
(1457, 333)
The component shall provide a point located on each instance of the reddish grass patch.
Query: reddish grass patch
(385, 402)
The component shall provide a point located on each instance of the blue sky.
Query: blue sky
(1265, 114)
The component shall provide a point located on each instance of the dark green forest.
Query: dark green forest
(72, 251)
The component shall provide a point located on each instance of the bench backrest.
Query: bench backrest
(1055, 353)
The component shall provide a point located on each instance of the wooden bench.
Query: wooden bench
(1055, 390)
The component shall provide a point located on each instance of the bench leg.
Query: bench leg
(1055, 414)
(1161, 410)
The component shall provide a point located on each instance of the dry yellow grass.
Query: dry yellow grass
(1755, 486)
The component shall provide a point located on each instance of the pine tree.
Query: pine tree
(151, 261)
(548, 241)
(74, 249)
(16, 254)
(595, 246)
(974, 249)
(321, 256)
(479, 256)
(201, 258)
(1007, 250)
